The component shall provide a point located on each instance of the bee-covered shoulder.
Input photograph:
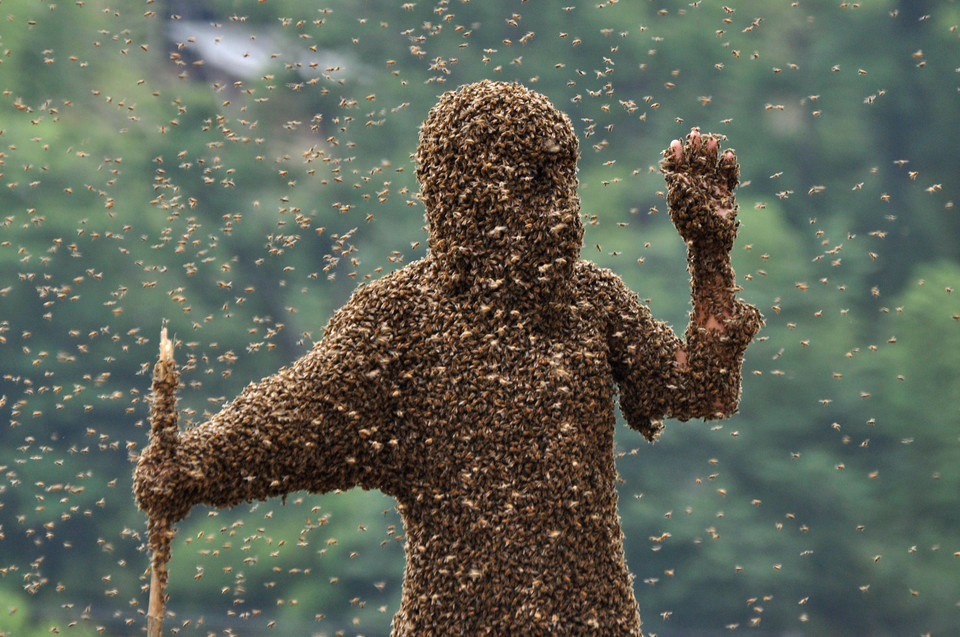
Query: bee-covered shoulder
(603, 287)
(384, 302)
(588, 271)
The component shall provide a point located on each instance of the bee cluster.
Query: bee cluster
(164, 420)
(477, 385)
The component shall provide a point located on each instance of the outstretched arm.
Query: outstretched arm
(318, 425)
(698, 377)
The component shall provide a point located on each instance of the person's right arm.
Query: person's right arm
(319, 425)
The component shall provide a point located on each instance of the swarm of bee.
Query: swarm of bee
(477, 385)
(164, 420)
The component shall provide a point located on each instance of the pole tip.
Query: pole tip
(166, 346)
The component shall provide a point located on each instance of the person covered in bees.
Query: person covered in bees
(477, 385)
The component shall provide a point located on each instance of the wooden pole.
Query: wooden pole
(163, 433)
(158, 584)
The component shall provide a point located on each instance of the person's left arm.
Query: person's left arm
(660, 375)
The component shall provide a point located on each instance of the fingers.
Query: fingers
(687, 153)
(729, 170)
(676, 148)
(699, 149)
(711, 146)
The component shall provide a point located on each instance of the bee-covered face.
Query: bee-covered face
(497, 169)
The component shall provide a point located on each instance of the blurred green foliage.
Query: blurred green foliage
(236, 168)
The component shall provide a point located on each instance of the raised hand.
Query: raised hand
(701, 181)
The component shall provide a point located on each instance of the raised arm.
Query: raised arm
(660, 375)
(321, 424)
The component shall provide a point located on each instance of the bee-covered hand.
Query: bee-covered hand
(160, 484)
(700, 181)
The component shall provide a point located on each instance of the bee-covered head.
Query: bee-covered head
(497, 166)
